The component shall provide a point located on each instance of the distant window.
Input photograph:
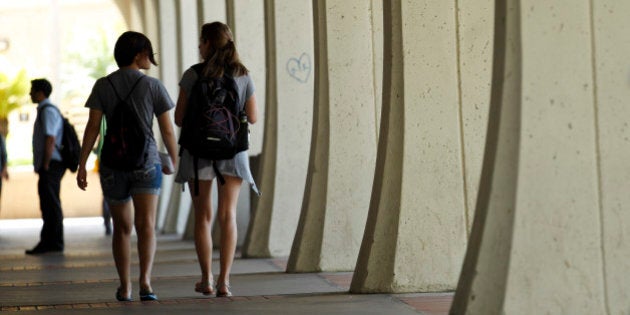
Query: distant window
(24, 116)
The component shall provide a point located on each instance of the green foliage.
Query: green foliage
(98, 59)
(20, 162)
(89, 56)
(13, 92)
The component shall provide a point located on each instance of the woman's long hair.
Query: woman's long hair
(222, 56)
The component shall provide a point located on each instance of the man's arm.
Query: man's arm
(3, 147)
(48, 151)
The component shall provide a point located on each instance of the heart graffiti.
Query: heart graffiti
(300, 69)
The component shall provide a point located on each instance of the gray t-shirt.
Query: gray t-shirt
(149, 98)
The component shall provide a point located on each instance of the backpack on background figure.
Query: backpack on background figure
(70, 147)
(214, 127)
(125, 142)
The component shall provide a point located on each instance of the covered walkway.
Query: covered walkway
(83, 279)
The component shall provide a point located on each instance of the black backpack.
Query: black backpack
(70, 147)
(214, 127)
(125, 142)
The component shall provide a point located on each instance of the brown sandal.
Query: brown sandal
(226, 292)
(204, 288)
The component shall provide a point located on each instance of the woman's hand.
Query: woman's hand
(166, 170)
(92, 130)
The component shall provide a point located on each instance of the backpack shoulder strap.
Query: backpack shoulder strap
(115, 92)
(144, 126)
(198, 69)
(60, 115)
(134, 86)
(50, 105)
(131, 91)
(231, 83)
(55, 107)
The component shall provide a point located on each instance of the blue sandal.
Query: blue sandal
(147, 296)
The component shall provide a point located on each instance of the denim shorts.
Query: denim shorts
(119, 186)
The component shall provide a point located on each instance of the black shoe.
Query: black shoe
(122, 298)
(38, 250)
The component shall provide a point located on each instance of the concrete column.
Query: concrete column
(169, 71)
(132, 13)
(377, 59)
(475, 37)
(343, 149)
(150, 22)
(151, 19)
(212, 10)
(612, 96)
(247, 21)
(188, 37)
(136, 18)
(536, 241)
(183, 50)
(415, 235)
(288, 124)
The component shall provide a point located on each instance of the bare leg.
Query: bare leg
(107, 218)
(203, 233)
(228, 198)
(121, 244)
(145, 208)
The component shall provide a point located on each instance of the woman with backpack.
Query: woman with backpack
(221, 70)
(130, 168)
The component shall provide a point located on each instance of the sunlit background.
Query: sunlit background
(69, 42)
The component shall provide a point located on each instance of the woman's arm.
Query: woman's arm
(168, 136)
(180, 108)
(251, 108)
(92, 130)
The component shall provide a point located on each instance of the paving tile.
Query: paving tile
(83, 280)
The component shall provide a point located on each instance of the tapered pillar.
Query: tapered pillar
(247, 20)
(343, 149)
(151, 17)
(132, 12)
(169, 72)
(416, 230)
(475, 24)
(212, 10)
(288, 124)
(612, 92)
(178, 207)
(536, 244)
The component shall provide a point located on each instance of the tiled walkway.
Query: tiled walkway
(83, 279)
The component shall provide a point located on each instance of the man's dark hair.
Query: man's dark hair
(130, 44)
(41, 85)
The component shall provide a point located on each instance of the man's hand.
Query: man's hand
(81, 178)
